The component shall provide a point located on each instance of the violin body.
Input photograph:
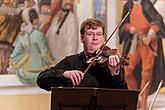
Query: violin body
(102, 57)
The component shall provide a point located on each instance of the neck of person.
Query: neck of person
(89, 55)
(137, 1)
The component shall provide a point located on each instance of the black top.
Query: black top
(97, 76)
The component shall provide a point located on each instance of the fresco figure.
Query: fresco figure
(63, 31)
(10, 21)
(44, 14)
(142, 44)
(31, 53)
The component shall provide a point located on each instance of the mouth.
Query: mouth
(95, 44)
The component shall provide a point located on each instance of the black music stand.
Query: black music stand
(80, 98)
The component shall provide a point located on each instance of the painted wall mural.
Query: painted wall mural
(23, 23)
(100, 9)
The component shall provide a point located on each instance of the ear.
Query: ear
(82, 38)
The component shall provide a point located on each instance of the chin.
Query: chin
(93, 50)
(96, 48)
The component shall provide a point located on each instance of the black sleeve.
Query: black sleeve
(53, 77)
(120, 80)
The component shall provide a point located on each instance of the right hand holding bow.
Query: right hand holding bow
(75, 76)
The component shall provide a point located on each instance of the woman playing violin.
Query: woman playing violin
(71, 68)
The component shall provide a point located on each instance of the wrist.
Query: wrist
(114, 70)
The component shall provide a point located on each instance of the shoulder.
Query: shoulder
(37, 35)
(75, 56)
(69, 62)
(37, 32)
(74, 59)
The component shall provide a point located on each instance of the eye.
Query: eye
(89, 34)
(99, 34)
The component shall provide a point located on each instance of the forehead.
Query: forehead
(97, 29)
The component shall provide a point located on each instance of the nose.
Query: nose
(95, 37)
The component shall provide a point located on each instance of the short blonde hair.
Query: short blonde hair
(91, 24)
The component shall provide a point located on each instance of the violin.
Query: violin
(103, 57)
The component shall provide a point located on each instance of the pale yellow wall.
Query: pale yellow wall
(119, 16)
(163, 43)
(25, 102)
